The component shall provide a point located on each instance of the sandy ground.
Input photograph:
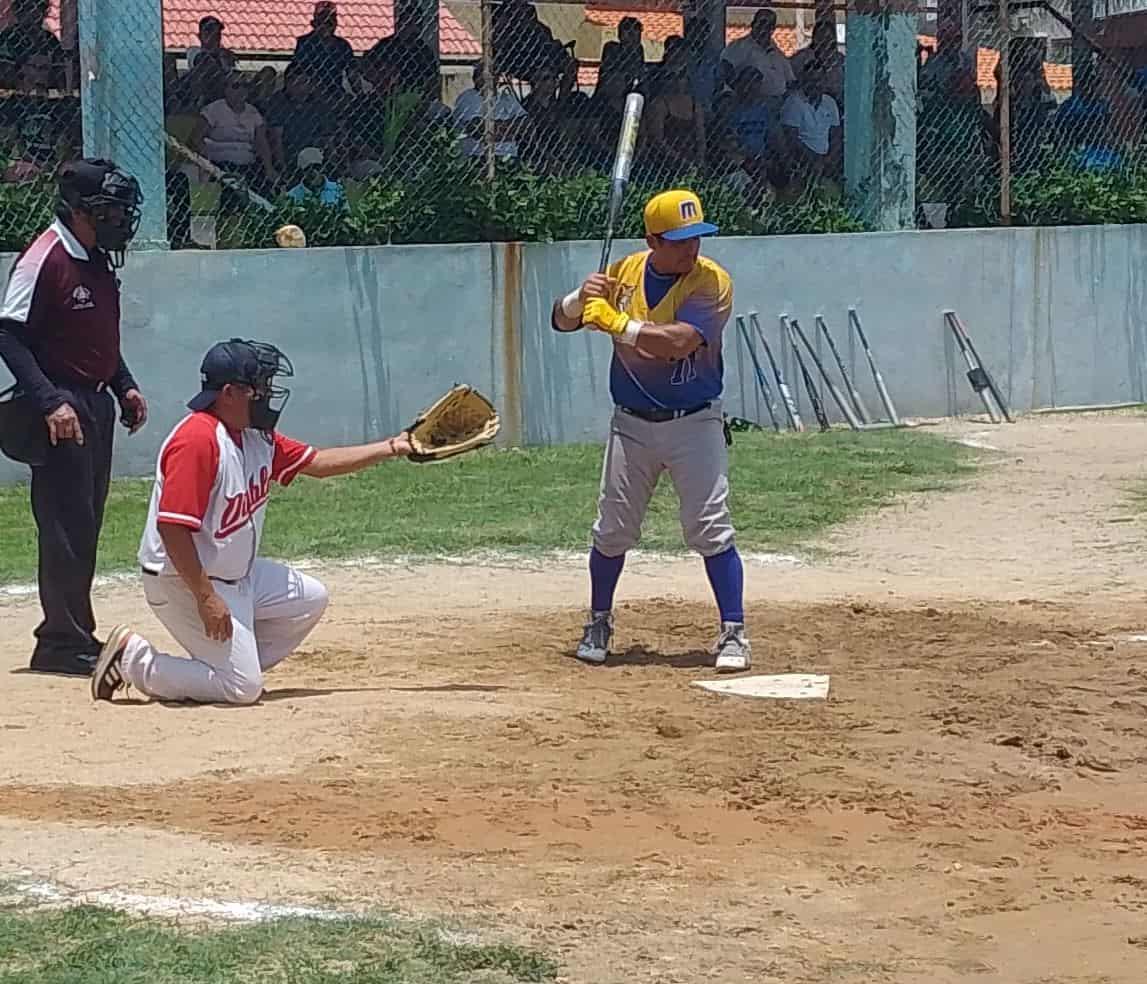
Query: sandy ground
(968, 803)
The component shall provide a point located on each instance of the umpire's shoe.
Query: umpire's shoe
(73, 664)
(594, 645)
(733, 650)
(107, 677)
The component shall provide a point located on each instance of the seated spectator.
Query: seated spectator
(757, 49)
(510, 120)
(825, 50)
(554, 117)
(626, 55)
(749, 135)
(26, 37)
(676, 121)
(297, 117)
(314, 185)
(328, 58)
(211, 40)
(812, 125)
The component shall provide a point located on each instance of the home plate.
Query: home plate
(782, 686)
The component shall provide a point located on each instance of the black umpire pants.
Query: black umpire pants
(68, 496)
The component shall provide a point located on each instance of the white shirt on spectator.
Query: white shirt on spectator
(776, 72)
(813, 123)
(468, 107)
(230, 137)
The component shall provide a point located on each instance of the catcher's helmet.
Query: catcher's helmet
(253, 364)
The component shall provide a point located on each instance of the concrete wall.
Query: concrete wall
(376, 333)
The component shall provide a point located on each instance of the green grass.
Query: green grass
(91, 945)
(785, 489)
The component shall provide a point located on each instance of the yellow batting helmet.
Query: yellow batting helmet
(676, 215)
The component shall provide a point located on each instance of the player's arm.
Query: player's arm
(184, 557)
(567, 312)
(329, 462)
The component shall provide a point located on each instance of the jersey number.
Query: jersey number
(685, 371)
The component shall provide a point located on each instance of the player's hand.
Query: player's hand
(605, 317)
(216, 617)
(134, 408)
(64, 425)
(400, 446)
(596, 285)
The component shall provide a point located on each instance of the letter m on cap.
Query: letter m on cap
(688, 209)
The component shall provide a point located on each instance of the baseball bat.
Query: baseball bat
(810, 386)
(790, 404)
(854, 320)
(977, 375)
(962, 333)
(766, 393)
(622, 162)
(837, 396)
(857, 403)
(215, 171)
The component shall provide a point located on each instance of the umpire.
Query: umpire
(60, 338)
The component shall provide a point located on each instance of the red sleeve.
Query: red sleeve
(189, 466)
(291, 457)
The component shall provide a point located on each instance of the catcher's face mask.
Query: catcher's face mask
(253, 365)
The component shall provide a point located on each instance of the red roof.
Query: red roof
(273, 25)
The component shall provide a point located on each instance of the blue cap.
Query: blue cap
(235, 361)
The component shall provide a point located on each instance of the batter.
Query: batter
(235, 613)
(665, 309)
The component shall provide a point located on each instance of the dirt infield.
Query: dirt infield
(968, 803)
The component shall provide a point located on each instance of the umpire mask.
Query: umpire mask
(108, 197)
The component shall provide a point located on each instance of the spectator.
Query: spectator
(205, 83)
(47, 130)
(704, 63)
(757, 49)
(328, 58)
(297, 116)
(314, 185)
(264, 87)
(824, 49)
(26, 36)
(812, 125)
(747, 131)
(509, 120)
(211, 40)
(952, 142)
(676, 120)
(934, 79)
(414, 60)
(626, 55)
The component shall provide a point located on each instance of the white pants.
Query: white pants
(273, 609)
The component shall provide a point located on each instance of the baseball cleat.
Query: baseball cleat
(594, 645)
(733, 650)
(107, 677)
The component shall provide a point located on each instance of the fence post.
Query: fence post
(880, 107)
(121, 92)
(1004, 95)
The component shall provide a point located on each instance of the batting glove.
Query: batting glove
(604, 316)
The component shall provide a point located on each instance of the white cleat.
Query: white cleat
(734, 653)
(594, 645)
(107, 677)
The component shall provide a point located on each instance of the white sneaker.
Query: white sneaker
(107, 677)
(594, 645)
(734, 653)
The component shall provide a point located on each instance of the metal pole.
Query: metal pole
(1005, 99)
(489, 87)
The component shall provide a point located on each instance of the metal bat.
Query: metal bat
(857, 403)
(622, 162)
(982, 376)
(813, 395)
(790, 404)
(854, 320)
(761, 382)
(837, 396)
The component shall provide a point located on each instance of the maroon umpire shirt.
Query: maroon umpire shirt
(70, 305)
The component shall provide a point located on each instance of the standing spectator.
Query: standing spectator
(211, 41)
(757, 49)
(328, 58)
(60, 338)
(812, 124)
(934, 79)
(414, 59)
(824, 50)
(703, 63)
(46, 130)
(626, 55)
(297, 116)
(26, 36)
(676, 119)
(314, 185)
(509, 120)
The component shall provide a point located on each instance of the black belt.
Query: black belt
(221, 580)
(660, 416)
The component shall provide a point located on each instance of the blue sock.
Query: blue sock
(604, 573)
(727, 577)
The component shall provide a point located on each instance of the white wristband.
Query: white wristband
(572, 305)
(629, 336)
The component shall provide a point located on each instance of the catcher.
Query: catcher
(236, 614)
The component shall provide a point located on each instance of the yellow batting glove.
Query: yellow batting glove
(604, 316)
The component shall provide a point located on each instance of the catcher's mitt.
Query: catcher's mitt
(460, 420)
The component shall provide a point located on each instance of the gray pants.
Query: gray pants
(692, 449)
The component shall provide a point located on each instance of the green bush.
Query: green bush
(25, 209)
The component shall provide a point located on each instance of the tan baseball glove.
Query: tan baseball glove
(460, 420)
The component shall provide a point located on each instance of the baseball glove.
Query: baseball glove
(460, 420)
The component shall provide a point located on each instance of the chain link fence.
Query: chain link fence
(498, 118)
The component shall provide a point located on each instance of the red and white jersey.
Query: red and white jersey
(216, 483)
